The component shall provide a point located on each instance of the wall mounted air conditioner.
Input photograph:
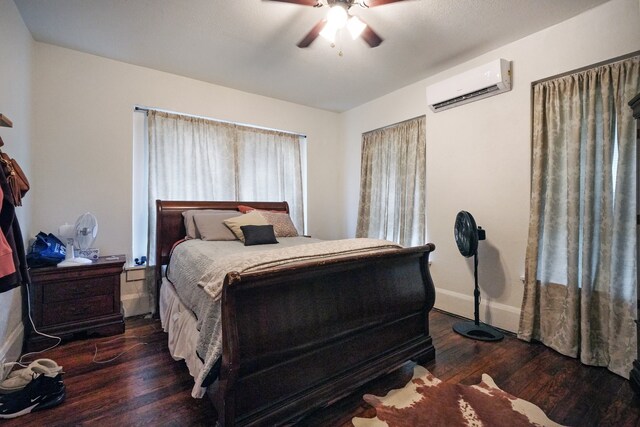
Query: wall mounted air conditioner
(481, 82)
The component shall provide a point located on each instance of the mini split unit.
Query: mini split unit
(481, 82)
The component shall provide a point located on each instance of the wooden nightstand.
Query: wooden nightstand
(70, 301)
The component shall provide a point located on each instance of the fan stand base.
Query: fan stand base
(479, 331)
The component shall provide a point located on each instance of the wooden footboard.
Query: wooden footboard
(299, 338)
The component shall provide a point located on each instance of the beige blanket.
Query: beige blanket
(213, 280)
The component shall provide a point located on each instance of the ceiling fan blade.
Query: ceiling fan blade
(371, 37)
(313, 34)
(374, 3)
(300, 2)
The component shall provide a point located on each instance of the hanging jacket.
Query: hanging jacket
(12, 236)
(7, 265)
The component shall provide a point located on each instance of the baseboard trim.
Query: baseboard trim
(136, 304)
(492, 313)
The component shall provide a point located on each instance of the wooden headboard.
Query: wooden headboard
(170, 224)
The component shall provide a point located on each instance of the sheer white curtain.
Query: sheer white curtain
(269, 168)
(199, 159)
(189, 159)
(580, 268)
(392, 183)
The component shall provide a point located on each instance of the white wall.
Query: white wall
(16, 47)
(478, 156)
(82, 138)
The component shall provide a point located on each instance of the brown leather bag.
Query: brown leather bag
(18, 182)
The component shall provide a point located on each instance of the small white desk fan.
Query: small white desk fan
(83, 234)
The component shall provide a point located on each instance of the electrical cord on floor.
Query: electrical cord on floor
(21, 362)
(95, 353)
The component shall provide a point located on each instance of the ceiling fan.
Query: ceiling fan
(339, 17)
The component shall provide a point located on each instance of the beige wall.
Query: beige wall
(16, 48)
(478, 155)
(82, 140)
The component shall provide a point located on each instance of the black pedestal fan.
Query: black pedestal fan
(467, 235)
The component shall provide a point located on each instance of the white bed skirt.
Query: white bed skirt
(180, 323)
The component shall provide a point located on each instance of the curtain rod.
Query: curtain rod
(394, 124)
(147, 109)
(588, 67)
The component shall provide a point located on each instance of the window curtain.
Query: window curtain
(189, 159)
(580, 268)
(269, 168)
(392, 183)
(198, 159)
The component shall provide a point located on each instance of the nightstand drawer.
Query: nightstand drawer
(77, 289)
(68, 311)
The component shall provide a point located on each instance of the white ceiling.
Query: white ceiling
(250, 45)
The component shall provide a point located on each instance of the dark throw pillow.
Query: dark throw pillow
(258, 235)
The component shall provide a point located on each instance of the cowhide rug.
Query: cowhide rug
(427, 401)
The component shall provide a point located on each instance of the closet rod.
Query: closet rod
(5, 122)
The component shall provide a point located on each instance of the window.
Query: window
(193, 158)
(392, 183)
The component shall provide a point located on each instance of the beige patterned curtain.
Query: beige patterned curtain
(580, 269)
(392, 183)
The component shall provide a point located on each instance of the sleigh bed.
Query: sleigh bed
(299, 337)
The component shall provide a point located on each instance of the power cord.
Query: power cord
(59, 340)
(21, 362)
(95, 353)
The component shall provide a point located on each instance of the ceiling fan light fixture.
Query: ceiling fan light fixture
(329, 32)
(355, 27)
(337, 16)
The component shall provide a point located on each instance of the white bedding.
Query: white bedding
(180, 324)
(197, 269)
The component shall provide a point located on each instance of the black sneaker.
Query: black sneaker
(41, 393)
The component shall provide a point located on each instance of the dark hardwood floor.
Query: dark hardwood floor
(145, 386)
